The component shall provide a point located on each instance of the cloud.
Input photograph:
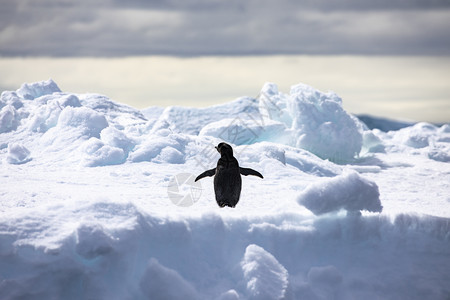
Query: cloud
(201, 27)
(412, 87)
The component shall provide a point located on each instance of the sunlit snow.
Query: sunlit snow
(97, 200)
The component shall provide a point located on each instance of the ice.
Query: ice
(318, 122)
(31, 91)
(9, 119)
(371, 143)
(11, 98)
(421, 139)
(215, 256)
(65, 132)
(170, 155)
(243, 132)
(275, 105)
(69, 100)
(17, 154)
(45, 116)
(166, 149)
(118, 115)
(160, 282)
(92, 241)
(325, 281)
(417, 136)
(348, 191)
(444, 129)
(192, 120)
(328, 275)
(152, 112)
(267, 152)
(86, 213)
(88, 121)
(266, 277)
(117, 138)
(441, 153)
(306, 118)
(99, 154)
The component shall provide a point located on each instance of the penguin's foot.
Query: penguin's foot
(223, 204)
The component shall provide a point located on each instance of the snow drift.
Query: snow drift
(85, 211)
(348, 191)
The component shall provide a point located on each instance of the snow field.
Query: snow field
(208, 257)
(343, 212)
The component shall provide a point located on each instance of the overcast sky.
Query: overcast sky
(383, 57)
(218, 27)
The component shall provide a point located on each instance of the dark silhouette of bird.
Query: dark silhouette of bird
(227, 177)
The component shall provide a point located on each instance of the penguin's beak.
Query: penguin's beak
(217, 148)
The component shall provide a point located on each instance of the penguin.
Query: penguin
(227, 177)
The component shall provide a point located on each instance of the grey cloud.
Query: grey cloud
(323, 5)
(200, 27)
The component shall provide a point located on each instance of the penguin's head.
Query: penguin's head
(224, 149)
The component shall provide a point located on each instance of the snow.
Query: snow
(266, 277)
(317, 121)
(99, 154)
(30, 91)
(8, 119)
(164, 283)
(348, 191)
(17, 154)
(88, 121)
(97, 200)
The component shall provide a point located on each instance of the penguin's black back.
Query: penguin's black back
(227, 182)
(227, 177)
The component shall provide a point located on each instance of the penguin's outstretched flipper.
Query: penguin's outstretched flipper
(248, 171)
(208, 173)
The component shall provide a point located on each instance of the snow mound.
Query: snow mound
(46, 115)
(88, 121)
(10, 98)
(420, 139)
(66, 131)
(9, 119)
(318, 122)
(372, 143)
(119, 115)
(117, 138)
(306, 118)
(416, 136)
(31, 91)
(192, 120)
(266, 277)
(440, 153)
(348, 191)
(266, 153)
(159, 149)
(99, 154)
(17, 154)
